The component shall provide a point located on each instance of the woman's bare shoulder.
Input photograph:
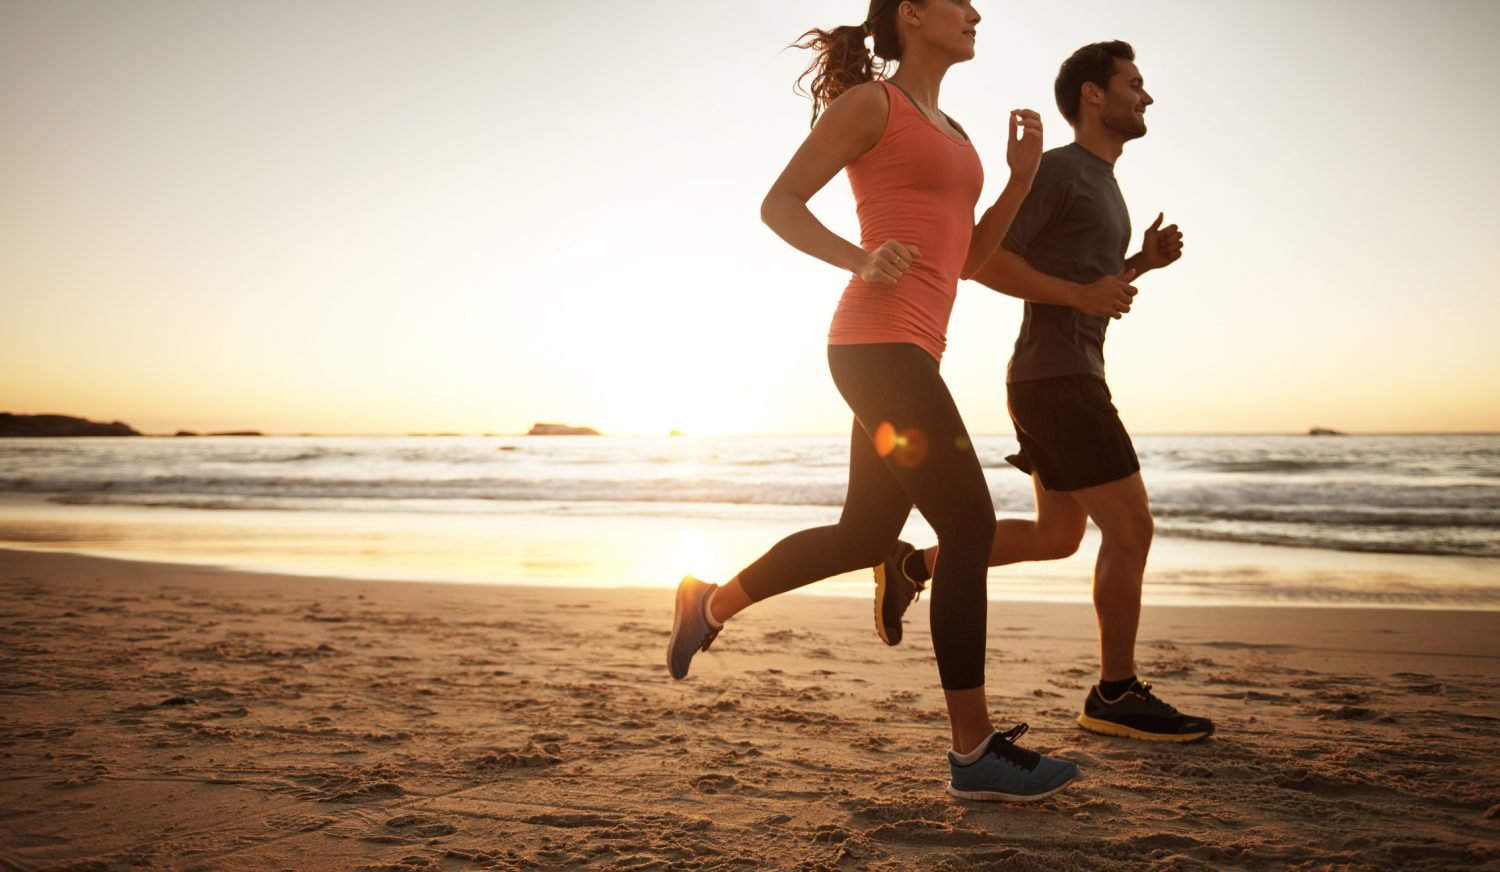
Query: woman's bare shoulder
(860, 111)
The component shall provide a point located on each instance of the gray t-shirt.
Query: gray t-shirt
(1073, 225)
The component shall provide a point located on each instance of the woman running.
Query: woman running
(916, 180)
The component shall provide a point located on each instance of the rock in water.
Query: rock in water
(60, 425)
(561, 430)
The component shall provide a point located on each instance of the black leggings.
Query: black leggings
(909, 447)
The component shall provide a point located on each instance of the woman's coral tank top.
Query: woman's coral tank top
(918, 186)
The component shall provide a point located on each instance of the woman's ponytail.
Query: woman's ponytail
(840, 61)
(840, 58)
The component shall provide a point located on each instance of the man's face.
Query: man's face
(1125, 102)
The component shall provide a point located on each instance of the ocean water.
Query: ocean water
(1437, 495)
(1433, 497)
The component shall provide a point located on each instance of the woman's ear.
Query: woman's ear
(910, 12)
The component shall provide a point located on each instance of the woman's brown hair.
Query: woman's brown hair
(840, 58)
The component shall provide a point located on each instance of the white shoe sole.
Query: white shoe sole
(996, 796)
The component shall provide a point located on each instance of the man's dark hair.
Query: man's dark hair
(1092, 63)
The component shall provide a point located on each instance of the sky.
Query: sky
(395, 217)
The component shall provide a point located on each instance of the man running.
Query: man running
(1065, 255)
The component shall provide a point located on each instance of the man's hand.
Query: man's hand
(1108, 297)
(1162, 246)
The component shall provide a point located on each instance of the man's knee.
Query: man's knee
(1143, 527)
(1057, 543)
(1132, 530)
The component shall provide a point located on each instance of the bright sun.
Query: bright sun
(692, 404)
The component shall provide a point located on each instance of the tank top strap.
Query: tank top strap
(898, 99)
(911, 114)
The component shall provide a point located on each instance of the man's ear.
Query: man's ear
(1092, 94)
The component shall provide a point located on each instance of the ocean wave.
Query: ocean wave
(1270, 465)
(1352, 504)
(1457, 545)
(499, 489)
(1211, 495)
(1343, 516)
(300, 457)
(1453, 540)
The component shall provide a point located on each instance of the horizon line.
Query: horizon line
(679, 435)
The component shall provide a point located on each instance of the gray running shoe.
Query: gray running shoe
(690, 630)
(895, 591)
(1139, 714)
(1009, 773)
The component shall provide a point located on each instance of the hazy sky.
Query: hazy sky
(469, 216)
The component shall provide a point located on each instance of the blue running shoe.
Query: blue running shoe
(1006, 772)
(691, 632)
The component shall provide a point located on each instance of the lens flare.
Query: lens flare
(907, 447)
(911, 448)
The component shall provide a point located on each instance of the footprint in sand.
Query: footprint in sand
(1255, 696)
(1347, 713)
(530, 756)
(716, 783)
(933, 833)
(299, 823)
(903, 810)
(582, 819)
(420, 826)
(350, 788)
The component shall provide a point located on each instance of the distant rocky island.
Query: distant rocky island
(54, 426)
(60, 425)
(12, 425)
(1323, 431)
(561, 430)
(189, 433)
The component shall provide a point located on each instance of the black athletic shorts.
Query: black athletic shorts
(1070, 433)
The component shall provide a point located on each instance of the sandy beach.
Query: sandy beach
(184, 717)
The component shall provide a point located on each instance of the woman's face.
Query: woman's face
(946, 25)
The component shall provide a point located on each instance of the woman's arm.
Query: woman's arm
(1024, 156)
(849, 127)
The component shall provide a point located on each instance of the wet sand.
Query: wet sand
(187, 717)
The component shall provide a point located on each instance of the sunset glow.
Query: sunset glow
(380, 219)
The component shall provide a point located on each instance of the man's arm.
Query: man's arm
(991, 229)
(1010, 274)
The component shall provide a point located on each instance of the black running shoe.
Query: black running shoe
(894, 592)
(1138, 714)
